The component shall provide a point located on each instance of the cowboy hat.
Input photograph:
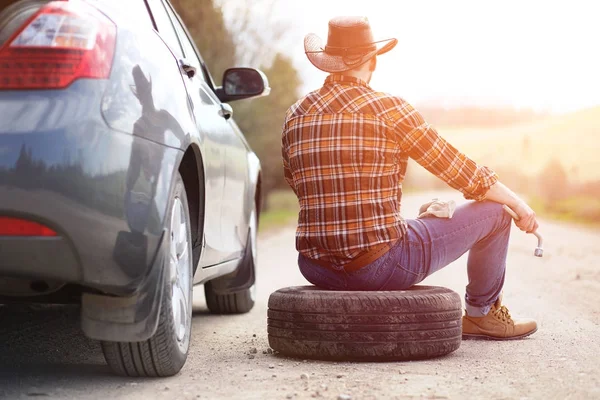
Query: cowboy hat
(349, 44)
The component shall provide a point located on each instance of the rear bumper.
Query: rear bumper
(24, 257)
(104, 192)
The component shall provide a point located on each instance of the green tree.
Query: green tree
(262, 119)
(205, 23)
(553, 183)
(250, 42)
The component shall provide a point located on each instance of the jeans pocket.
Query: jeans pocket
(416, 277)
(405, 265)
(372, 276)
(419, 274)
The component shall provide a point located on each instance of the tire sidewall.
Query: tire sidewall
(179, 351)
(308, 322)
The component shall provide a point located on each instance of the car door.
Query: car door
(234, 215)
(210, 126)
(236, 187)
(213, 120)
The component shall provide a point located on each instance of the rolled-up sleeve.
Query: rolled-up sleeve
(421, 142)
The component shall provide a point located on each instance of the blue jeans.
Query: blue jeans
(482, 228)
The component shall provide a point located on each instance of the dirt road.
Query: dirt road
(44, 354)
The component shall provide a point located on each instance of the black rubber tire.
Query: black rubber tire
(242, 301)
(159, 356)
(232, 303)
(419, 323)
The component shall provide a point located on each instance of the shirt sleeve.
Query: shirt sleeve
(287, 173)
(422, 143)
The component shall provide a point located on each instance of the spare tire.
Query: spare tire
(308, 322)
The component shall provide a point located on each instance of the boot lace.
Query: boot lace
(503, 314)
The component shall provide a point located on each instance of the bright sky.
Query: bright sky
(524, 53)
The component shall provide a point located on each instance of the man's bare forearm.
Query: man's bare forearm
(500, 193)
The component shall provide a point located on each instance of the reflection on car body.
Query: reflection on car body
(116, 177)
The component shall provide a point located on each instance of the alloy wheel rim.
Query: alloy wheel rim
(179, 266)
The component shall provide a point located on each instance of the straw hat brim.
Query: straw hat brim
(315, 51)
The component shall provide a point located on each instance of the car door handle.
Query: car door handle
(188, 68)
(226, 111)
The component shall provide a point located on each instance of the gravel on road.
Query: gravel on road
(44, 354)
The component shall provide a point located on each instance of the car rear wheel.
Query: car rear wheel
(242, 301)
(165, 353)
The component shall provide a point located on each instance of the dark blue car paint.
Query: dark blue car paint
(96, 162)
(60, 164)
(144, 91)
(147, 81)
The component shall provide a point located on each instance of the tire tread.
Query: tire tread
(158, 356)
(421, 322)
(231, 303)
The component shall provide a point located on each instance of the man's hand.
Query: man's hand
(527, 219)
(526, 216)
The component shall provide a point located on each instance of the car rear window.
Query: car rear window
(165, 27)
(186, 44)
(136, 9)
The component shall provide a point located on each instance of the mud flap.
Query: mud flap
(127, 319)
(241, 279)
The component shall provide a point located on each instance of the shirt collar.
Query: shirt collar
(345, 80)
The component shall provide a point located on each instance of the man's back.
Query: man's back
(346, 167)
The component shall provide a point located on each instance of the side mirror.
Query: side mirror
(243, 83)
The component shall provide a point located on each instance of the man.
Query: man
(345, 149)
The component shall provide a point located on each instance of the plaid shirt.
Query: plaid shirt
(345, 150)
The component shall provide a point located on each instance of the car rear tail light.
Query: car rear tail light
(62, 42)
(21, 227)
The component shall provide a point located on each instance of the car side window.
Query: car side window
(165, 27)
(207, 96)
(189, 51)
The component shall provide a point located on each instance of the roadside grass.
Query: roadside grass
(282, 211)
(583, 210)
(571, 138)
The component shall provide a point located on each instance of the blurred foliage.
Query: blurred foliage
(262, 120)
(283, 210)
(564, 199)
(581, 209)
(553, 182)
(248, 42)
(283, 199)
(205, 23)
(527, 149)
(555, 193)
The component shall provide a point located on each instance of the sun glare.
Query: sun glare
(533, 54)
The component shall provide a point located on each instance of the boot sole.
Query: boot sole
(470, 336)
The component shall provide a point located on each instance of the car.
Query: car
(124, 180)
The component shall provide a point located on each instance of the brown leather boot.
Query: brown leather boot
(497, 325)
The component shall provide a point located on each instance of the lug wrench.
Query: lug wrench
(539, 251)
